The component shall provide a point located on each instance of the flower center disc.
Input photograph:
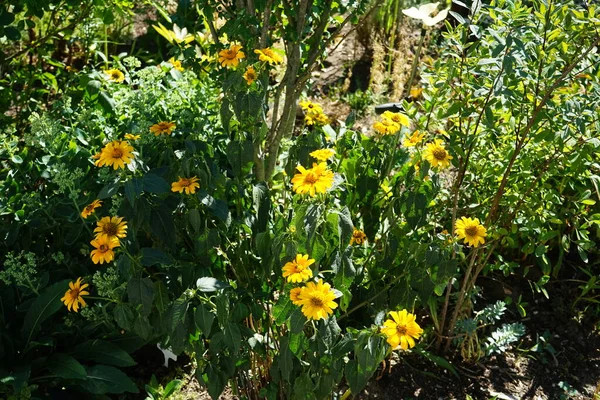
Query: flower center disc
(117, 153)
(316, 302)
(439, 154)
(110, 229)
(471, 230)
(401, 330)
(103, 248)
(185, 182)
(310, 178)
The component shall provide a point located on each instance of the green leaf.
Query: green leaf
(103, 379)
(141, 291)
(440, 361)
(297, 321)
(152, 256)
(161, 298)
(142, 327)
(103, 352)
(133, 190)
(73, 235)
(210, 284)
(65, 366)
(162, 225)
(155, 184)
(107, 102)
(233, 337)
(194, 219)
(204, 319)
(42, 308)
(286, 362)
(110, 189)
(240, 155)
(124, 316)
(283, 309)
(218, 208)
(346, 227)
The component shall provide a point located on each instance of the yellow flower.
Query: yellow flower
(386, 126)
(358, 237)
(268, 55)
(437, 155)
(323, 154)
(321, 118)
(413, 139)
(176, 64)
(163, 127)
(115, 75)
(471, 231)
(415, 92)
(298, 270)
(398, 118)
(130, 136)
(315, 180)
(91, 208)
(231, 57)
(176, 35)
(310, 107)
(317, 300)
(401, 330)
(111, 227)
(103, 252)
(250, 75)
(189, 185)
(116, 153)
(295, 295)
(71, 69)
(387, 190)
(74, 296)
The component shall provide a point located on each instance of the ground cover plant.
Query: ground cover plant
(205, 204)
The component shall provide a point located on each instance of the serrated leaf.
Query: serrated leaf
(103, 352)
(103, 379)
(65, 366)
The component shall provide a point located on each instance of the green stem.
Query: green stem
(415, 64)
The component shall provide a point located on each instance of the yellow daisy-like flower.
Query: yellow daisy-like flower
(163, 127)
(91, 208)
(268, 55)
(250, 75)
(298, 270)
(321, 119)
(437, 155)
(402, 329)
(315, 180)
(413, 139)
(322, 154)
(103, 252)
(115, 75)
(310, 107)
(130, 136)
(386, 126)
(387, 190)
(117, 153)
(74, 296)
(231, 57)
(111, 227)
(358, 237)
(317, 300)
(471, 231)
(415, 92)
(189, 185)
(309, 119)
(296, 296)
(176, 64)
(398, 118)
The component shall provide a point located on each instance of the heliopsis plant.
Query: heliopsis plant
(250, 75)
(317, 179)
(471, 230)
(386, 126)
(117, 154)
(111, 227)
(130, 136)
(358, 237)
(317, 300)
(397, 118)
(298, 270)
(437, 155)
(115, 75)
(322, 154)
(163, 128)
(231, 57)
(73, 297)
(91, 208)
(413, 140)
(103, 249)
(311, 108)
(176, 64)
(295, 296)
(401, 330)
(187, 185)
(269, 55)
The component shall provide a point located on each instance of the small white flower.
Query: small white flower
(424, 13)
